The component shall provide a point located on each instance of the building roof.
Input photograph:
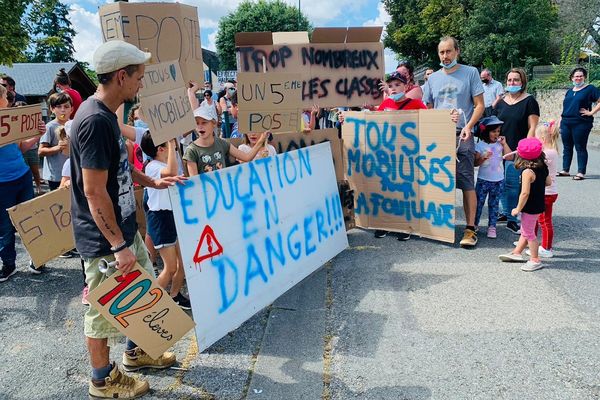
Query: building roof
(211, 59)
(37, 79)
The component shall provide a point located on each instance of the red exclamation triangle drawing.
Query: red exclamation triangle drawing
(213, 245)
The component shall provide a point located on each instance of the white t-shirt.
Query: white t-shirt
(66, 169)
(261, 153)
(491, 170)
(158, 199)
(552, 160)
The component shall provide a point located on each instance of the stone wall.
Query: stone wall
(551, 101)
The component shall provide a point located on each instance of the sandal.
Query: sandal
(579, 177)
(563, 173)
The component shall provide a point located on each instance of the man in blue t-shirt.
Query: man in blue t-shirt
(103, 210)
(457, 87)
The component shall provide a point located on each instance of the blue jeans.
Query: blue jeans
(510, 196)
(12, 193)
(493, 192)
(575, 134)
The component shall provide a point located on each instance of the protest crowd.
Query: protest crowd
(102, 150)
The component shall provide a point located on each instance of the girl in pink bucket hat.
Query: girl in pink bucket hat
(530, 159)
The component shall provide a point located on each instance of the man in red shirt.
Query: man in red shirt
(396, 99)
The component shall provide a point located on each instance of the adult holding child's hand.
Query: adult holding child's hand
(577, 119)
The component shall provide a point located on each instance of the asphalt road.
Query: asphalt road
(383, 320)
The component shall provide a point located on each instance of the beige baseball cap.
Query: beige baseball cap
(116, 54)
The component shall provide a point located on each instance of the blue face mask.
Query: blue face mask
(397, 96)
(450, 65)
(138, 123)
(578, 84)
(513, 89)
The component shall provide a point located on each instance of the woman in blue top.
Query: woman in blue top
(16, 186)
(577, 121)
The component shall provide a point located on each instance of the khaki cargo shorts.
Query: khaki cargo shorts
(95, 325)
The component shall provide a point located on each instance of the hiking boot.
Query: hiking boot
(403, 237)
(513, 227)
(6, 272)
(380, 233)
(491, 232)
(35, 270)
(136, 359)
(511, 257)
(182, 302)
(531, 266)
(117, 386)
(469, 238)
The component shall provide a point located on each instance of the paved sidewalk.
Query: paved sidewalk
(383, 320)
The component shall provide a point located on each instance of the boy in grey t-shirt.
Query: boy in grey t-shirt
(458, 87)
(52, 146)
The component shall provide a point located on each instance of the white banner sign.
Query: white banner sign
(251, 232)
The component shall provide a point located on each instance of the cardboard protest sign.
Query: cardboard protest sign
(269, 102)
(44, 225)
(19, 123)
(141, 310)
(165, 104)
(401, 166)
(249, 233)
(339, 67)
(224, 76)
(168, 31)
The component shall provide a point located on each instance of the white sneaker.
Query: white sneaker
(530, 266)
(542, 252)
(511, 257)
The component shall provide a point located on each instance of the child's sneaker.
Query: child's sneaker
(542, 252)
(491, 233)
(136, 359)
(511, 257)
(531, 265)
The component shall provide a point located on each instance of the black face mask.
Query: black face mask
(486, 81)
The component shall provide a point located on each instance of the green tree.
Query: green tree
(509, 33)
(13, 33)
(417, 25)
(274, 16)
(51, 32)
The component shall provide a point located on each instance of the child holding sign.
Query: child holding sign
(160, 221)
(16, 187)
(250, 140)
(52, 147)
(208, 153)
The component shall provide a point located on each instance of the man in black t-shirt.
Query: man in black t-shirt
(103, 210)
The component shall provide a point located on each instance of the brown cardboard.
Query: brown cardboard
(140, 216)
(19, 123)
(44, 225)
(162, 77)
(170, 31)
(433, 164)
(168, 114)
(329, 35)
(341, 67)
(141, 310)
(290, 37)
(269, 102)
